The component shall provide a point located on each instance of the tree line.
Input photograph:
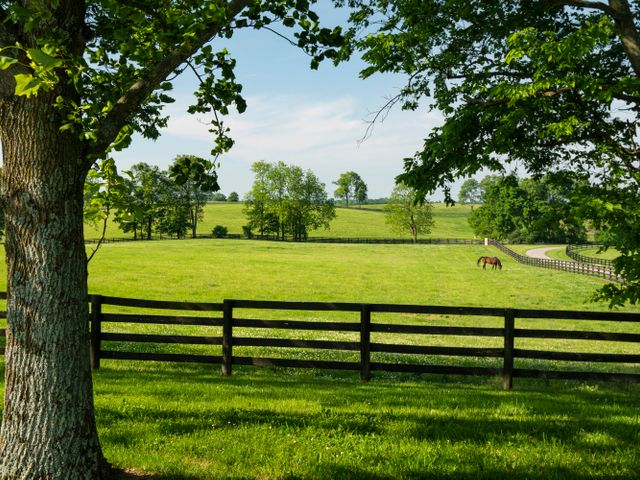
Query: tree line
(526, 210)
(145, 199)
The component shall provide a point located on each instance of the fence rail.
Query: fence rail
(572, 252)
(600, 271)
(237, 236)
(225, 339)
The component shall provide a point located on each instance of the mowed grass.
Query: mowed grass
(188, 422)
(213, 269)
(365, 222)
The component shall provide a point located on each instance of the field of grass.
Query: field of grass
(365, 222)
(187, 422)
(610, 254)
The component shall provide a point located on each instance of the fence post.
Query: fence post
(509, 336)
(365, 343)
(227, 337)
(96, 330)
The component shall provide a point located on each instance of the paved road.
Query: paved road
(541, 252)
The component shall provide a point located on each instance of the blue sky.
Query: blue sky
(313, 119)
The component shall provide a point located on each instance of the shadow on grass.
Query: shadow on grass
(586, 420)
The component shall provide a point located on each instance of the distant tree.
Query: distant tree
(255, 207)
(233, 197)
(405, 216)
(105, 192)
(219, 197)
(143, 204)
(351, 186)
(529, 210)
(470, 192)
(286, 200)
(196, 180)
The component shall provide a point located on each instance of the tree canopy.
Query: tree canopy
(404, 215)
(286, 200)
(351, 187)
(552, 86)
(529, 210)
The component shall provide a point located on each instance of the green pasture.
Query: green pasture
(365, 222)
(187, 422)
(609, 254)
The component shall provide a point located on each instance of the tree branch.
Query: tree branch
(135, 96)
(584, 4)
(502, 101)
(627, 32)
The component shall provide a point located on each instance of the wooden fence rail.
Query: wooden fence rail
(601, 271)
(230, 323)
(225, 322)
(572, 252)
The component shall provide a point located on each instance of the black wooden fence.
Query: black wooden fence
(451, 358)
(600, 271)
(237, 236)
(572, 252)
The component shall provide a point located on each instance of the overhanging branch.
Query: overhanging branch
(584, 4)
(135, 96)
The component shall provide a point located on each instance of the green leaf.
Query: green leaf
(27, 85)
(41, 58)
(6, 62)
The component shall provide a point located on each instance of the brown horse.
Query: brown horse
(493, 261)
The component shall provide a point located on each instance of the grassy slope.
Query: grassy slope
(368, 222)
(210, 270)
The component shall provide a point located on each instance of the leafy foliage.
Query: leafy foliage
(195, 179)
(551, 86)
(470, 192)
(351, 186)
(285, 200)
(529, 211)
(404, 215)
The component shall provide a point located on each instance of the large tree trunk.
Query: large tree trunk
(48, 426)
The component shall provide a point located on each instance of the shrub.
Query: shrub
(219, 231)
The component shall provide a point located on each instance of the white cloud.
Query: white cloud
(321, 135)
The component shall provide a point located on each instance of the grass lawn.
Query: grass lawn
(188, 422)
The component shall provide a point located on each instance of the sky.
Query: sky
(313, 119)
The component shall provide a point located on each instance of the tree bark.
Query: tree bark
(48, 427)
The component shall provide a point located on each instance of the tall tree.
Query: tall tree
(470, 192)
(77, 78)
(404, 215)
(350, 186)
(553, 85)
(196, 179)
(287, 200)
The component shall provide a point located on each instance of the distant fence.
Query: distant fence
(572, 252)
(573, 267)
(224, 323)
(237, 236)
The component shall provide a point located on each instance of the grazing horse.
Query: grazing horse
(493, 261)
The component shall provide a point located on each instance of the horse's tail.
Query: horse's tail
(479, 260)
